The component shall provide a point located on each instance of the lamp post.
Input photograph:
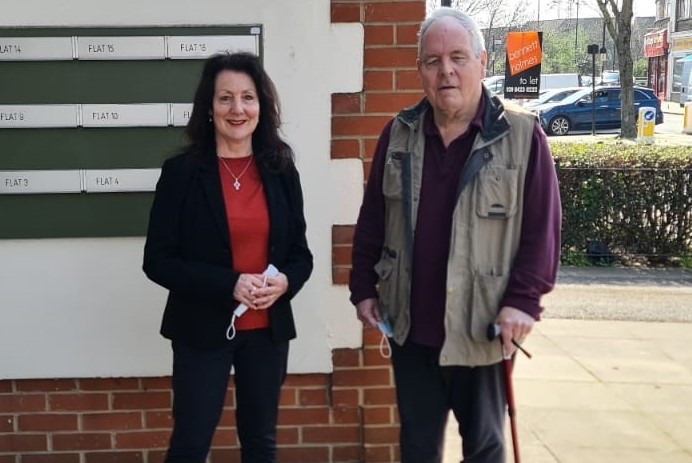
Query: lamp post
(576, 34)
(593, 51)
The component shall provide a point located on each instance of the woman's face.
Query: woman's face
(235, 108)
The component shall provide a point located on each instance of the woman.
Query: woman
(226, 208)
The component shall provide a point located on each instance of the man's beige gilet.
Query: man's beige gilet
(485, 232)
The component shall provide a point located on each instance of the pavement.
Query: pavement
(611, 375)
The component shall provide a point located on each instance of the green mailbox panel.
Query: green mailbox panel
(87, 117)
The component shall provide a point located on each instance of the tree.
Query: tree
(617, 15)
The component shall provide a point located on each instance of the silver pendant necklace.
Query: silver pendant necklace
(236, 184)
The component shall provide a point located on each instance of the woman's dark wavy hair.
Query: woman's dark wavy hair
(267, 145)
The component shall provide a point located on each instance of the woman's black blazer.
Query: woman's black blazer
(188, 249)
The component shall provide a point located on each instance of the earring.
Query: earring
(210, 118)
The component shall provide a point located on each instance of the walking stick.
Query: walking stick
(493, 333)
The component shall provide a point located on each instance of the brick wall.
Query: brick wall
(348, 416)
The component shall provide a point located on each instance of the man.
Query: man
(459, 229)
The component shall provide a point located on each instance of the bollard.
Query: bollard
(687, 119)
(646, 122)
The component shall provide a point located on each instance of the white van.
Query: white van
(550, 81)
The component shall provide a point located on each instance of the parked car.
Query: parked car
(574, 112)
(550, 96)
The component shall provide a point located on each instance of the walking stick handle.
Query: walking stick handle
(494, 331)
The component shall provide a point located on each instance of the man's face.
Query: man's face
(450, 72)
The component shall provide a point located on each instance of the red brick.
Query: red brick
(303, 454)
(161, 383)
(377, 415)
(50, 458)
(331, 434)
(48, 422)
(394, 12)
(378, 453)
(78, 402)
(373, 357)
(346, 454)
(372, 337)
(228, 417)
(23, 442)
(109, 384)
(390, 57)
(7, 423)
(316, 379)
(341, 275)
(379, 35)
(345, 13)
(81, 441)
(408, 80)
(142, 439)
(141, 400)
(407, 34)
(358, 125)
(305, 415)
(346, 396)
(5, 386)
(114, 457)
(378, 80)
(219, 455)
(227, 437)
(7, 459)
(46, 385)
(390, 102)
(369, 377)
(288, 397)
(22, 403)
(349, 414)
(379, 396)
(158, 456)
(381, 434)
(112, 421)
(370, 146)
(342, 358)
(311, 397)
(345, 149)
(341, 255)
(287, 435)
(342, 234)
(158, 419)
(230, 398)
(345, 103)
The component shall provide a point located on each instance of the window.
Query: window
(684, 9)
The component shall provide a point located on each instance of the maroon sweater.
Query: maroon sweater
(535, 266)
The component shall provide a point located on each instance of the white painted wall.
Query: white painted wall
(83, 308)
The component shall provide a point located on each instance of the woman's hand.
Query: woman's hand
(264, 296)
(245, 286)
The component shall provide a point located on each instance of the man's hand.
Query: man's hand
(515, 324)
(368, 312)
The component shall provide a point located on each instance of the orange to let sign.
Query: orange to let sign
(523, 51)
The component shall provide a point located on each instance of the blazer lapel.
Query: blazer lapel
(211, 183)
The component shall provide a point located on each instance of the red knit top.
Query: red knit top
(248, 223)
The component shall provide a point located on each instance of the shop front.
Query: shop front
(680, 63)
(656, 51)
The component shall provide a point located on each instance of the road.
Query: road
(669, 132)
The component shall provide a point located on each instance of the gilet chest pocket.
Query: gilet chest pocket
(496, 190)
(392, 180)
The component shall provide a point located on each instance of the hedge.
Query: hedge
(625, 203)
